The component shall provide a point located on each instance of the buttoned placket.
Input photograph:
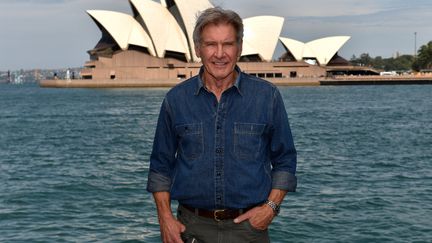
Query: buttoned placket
(219, 151)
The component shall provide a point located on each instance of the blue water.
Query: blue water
(74, 162)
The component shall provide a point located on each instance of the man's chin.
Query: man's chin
(221, 76)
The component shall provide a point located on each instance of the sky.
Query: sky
(49, 34)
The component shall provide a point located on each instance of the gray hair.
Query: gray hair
(217, 16)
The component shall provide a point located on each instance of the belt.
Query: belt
(218, 214)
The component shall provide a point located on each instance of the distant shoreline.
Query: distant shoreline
(340, 80)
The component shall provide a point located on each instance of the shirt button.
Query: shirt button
(219, 150)
(218, 127)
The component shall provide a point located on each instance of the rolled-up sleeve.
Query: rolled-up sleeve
(283, 154)
(162, 158)
(284, 180)
(158, 182)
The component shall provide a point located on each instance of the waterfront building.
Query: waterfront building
(155, 44)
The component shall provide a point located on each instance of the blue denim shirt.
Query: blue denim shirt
(226, 154)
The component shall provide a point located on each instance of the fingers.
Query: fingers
(178, 239)
(259, 217)
(172, 237)
(171, 230)
(182, 227)
(262, 219)
(243, 217)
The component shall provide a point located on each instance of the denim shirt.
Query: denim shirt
(226, 154)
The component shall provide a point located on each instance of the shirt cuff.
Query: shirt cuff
(158, 183)
(284, 180)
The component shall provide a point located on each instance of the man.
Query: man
(223, 146)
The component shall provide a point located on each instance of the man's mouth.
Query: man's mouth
(220, 63)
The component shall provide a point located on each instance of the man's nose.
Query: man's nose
(219, 51)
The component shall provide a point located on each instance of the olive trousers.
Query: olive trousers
(206, 230)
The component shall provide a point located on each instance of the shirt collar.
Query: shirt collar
(237, 82)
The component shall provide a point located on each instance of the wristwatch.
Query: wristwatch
(274, 206)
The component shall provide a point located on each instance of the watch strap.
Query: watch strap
(274, 206)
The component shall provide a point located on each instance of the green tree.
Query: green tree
(363, 60)
(378, 62)
(424, 57)
(400, 63)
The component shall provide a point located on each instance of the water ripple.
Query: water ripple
(74, 163)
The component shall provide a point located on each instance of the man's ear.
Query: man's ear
(197, 51)
(240, 49)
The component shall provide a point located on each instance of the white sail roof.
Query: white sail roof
(294, 46)
(326, 48)
(261, 35)
(169, 27)
(163, 28)
(322, 49)
(189, 10)
(123, 28)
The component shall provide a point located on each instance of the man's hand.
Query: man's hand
(259, 217)
(170, 227)
(170, 230)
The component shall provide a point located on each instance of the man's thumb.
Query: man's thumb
(182, 228)
(241, 218)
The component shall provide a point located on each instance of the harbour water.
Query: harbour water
(74, 162)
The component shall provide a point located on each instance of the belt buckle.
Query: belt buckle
(215, 216)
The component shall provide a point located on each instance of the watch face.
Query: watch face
(274, 206)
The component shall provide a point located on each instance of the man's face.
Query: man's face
(219, 51)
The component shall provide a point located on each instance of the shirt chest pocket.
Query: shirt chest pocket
(191, 140)
(247, 140)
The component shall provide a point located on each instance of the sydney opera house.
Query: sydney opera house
(154, 44)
